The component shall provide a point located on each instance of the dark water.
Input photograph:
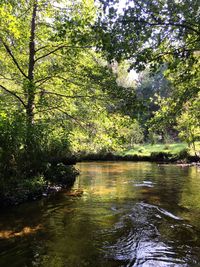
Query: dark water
(124, 214)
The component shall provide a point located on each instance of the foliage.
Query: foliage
(61, 174)
(149, 88)
(151, 31)
(57, 95)
(11, 139)
(15, 190)
(108, 132)
(156, 34)
(184, 120)
(37, 59)
(188, 123)
(147, 149)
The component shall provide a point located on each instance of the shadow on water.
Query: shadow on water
(117, 214)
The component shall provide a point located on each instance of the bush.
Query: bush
(61, 174)
(15, 190)
(183, 154)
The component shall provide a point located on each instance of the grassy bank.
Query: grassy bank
(175, 152)
(148, 149)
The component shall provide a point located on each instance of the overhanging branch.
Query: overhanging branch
(161, 24)
(58, 48)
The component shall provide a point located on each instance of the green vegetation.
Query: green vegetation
(160, 40)
(147, 149)
(66, 87)
(178, 152)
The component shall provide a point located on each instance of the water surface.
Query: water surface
(117, 214)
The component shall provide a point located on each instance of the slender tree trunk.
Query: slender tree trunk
(193, 144)
(30, 144)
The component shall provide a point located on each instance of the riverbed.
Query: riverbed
(117, 214)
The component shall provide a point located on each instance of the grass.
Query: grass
(147, 149)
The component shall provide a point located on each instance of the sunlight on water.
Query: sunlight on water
(25, 231)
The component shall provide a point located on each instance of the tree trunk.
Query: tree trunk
(30, 135)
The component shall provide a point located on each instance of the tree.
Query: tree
(184, 91)
(106, 132)
(151, 86)
(188, 123)
(151, 30)
(39, 44)
(154, 33)
(51, 73)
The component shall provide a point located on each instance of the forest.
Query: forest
(88, 80)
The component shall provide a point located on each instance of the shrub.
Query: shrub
(61, 174)
(183, 154)
(15, 190)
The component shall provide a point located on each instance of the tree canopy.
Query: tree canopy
(151, 31)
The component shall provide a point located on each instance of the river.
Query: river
(117, 214)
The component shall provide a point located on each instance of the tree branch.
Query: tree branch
(73, 118)
(10, 79)
(13, 58)
(44, 79)
(46, 46)
(161, 24)
(102, 97)
(45, 110)
(69, 81)
(58, 48)
(5, 78)
(13, 94)
(62, 95)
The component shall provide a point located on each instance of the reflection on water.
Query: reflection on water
(117, 214)
(27, 230)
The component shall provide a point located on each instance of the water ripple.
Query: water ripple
(148, 239)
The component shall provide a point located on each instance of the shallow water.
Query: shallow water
(117, 214)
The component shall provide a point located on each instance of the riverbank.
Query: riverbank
(18, 190)
(166, 153)
(154, 157)
(61, 173)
